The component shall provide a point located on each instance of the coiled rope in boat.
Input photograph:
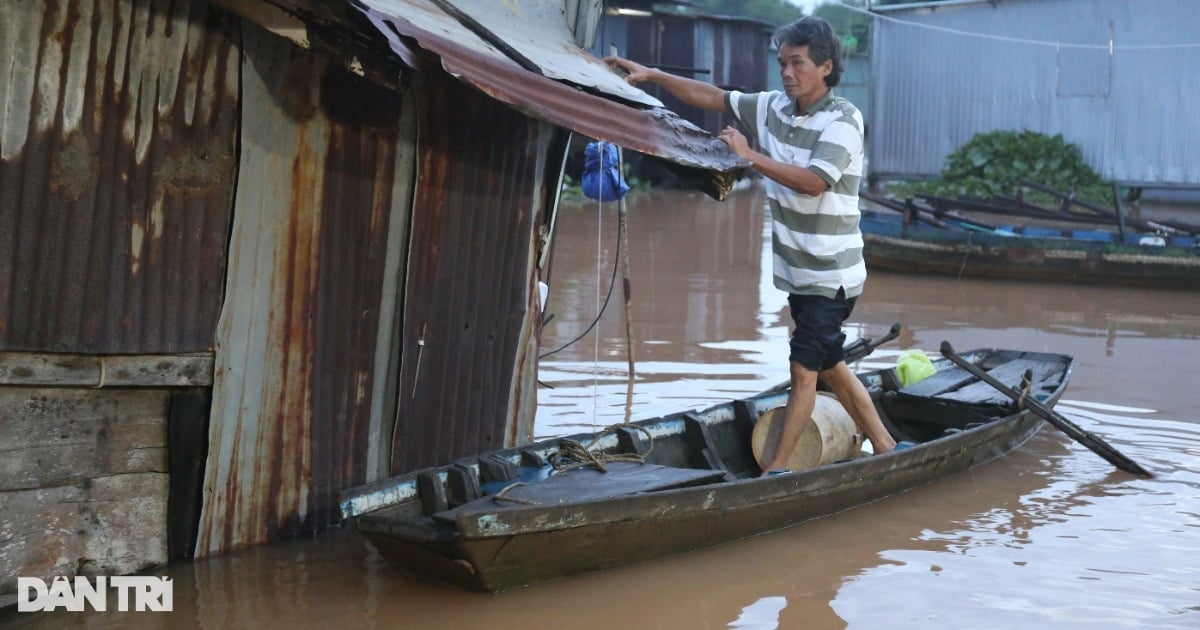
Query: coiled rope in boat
(572, 454)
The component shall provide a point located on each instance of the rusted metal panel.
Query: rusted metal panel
(117, 144)
(317, 196)
(485, 45)
(470, 290)
(336, 30)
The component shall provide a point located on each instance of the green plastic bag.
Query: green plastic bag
(914, 366)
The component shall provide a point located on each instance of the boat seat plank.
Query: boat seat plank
(432, 493)
(943, 381)
(702, 442)
(584, 483)
(462, 485)
(968, 400)
(1010, 374)
(631, 441)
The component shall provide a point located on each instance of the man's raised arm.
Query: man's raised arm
(695, 93)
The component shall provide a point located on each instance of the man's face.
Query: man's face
(803, 80)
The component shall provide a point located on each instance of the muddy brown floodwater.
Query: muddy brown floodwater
(1050, 536)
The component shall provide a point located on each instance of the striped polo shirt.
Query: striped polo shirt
(817, 244)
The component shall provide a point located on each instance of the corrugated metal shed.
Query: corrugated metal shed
(312, 369)
(118, 135)
(731, 52)
(372, 177)
(1116, 78)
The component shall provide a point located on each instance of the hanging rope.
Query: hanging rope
(600, 313)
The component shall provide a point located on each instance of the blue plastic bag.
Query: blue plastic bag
(602, 179)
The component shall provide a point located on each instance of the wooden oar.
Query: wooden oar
(1097, 445)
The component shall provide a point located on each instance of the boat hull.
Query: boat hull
(888, 244)
(485, 544)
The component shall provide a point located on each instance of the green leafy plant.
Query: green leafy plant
(994, 163)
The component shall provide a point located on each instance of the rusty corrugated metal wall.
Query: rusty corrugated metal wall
(324, 185)
(117, 157)
(477, 205)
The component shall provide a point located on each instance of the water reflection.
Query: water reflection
(761, 615)
(1088, 547)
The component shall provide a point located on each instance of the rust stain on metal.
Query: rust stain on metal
(318, 223)
(474, 205)
(116, 171)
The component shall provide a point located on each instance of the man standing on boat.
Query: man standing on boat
(812, 157)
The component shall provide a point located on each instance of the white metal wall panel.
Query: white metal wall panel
(943, 74)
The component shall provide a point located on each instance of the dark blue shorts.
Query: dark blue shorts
(817, 339)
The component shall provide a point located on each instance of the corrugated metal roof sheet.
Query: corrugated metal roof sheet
(560, 83)
(654, 131)
(944, 73)
(536, 32)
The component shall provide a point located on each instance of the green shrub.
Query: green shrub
(994, 163)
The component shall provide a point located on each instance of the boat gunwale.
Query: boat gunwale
(484, 524)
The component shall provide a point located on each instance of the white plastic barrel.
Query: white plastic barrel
(831, 435)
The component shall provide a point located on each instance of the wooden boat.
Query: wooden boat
(918, 240)
(505, 519)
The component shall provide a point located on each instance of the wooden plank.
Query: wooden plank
(39, 368)
(111, 525)
(702, 443)
(463, 485)
(50, 436)
(531, 459)
(181, 370)
(1010, 374)
(493, 468)
(432, 492)
(942, 381)
(585, 483)
(62, 370)
(745, 414)
(630, 441)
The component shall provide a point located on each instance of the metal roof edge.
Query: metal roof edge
(909, 6)
(653, 131)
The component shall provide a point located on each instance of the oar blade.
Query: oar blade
(1091, 441)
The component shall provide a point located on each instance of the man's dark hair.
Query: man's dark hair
(823, 44)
